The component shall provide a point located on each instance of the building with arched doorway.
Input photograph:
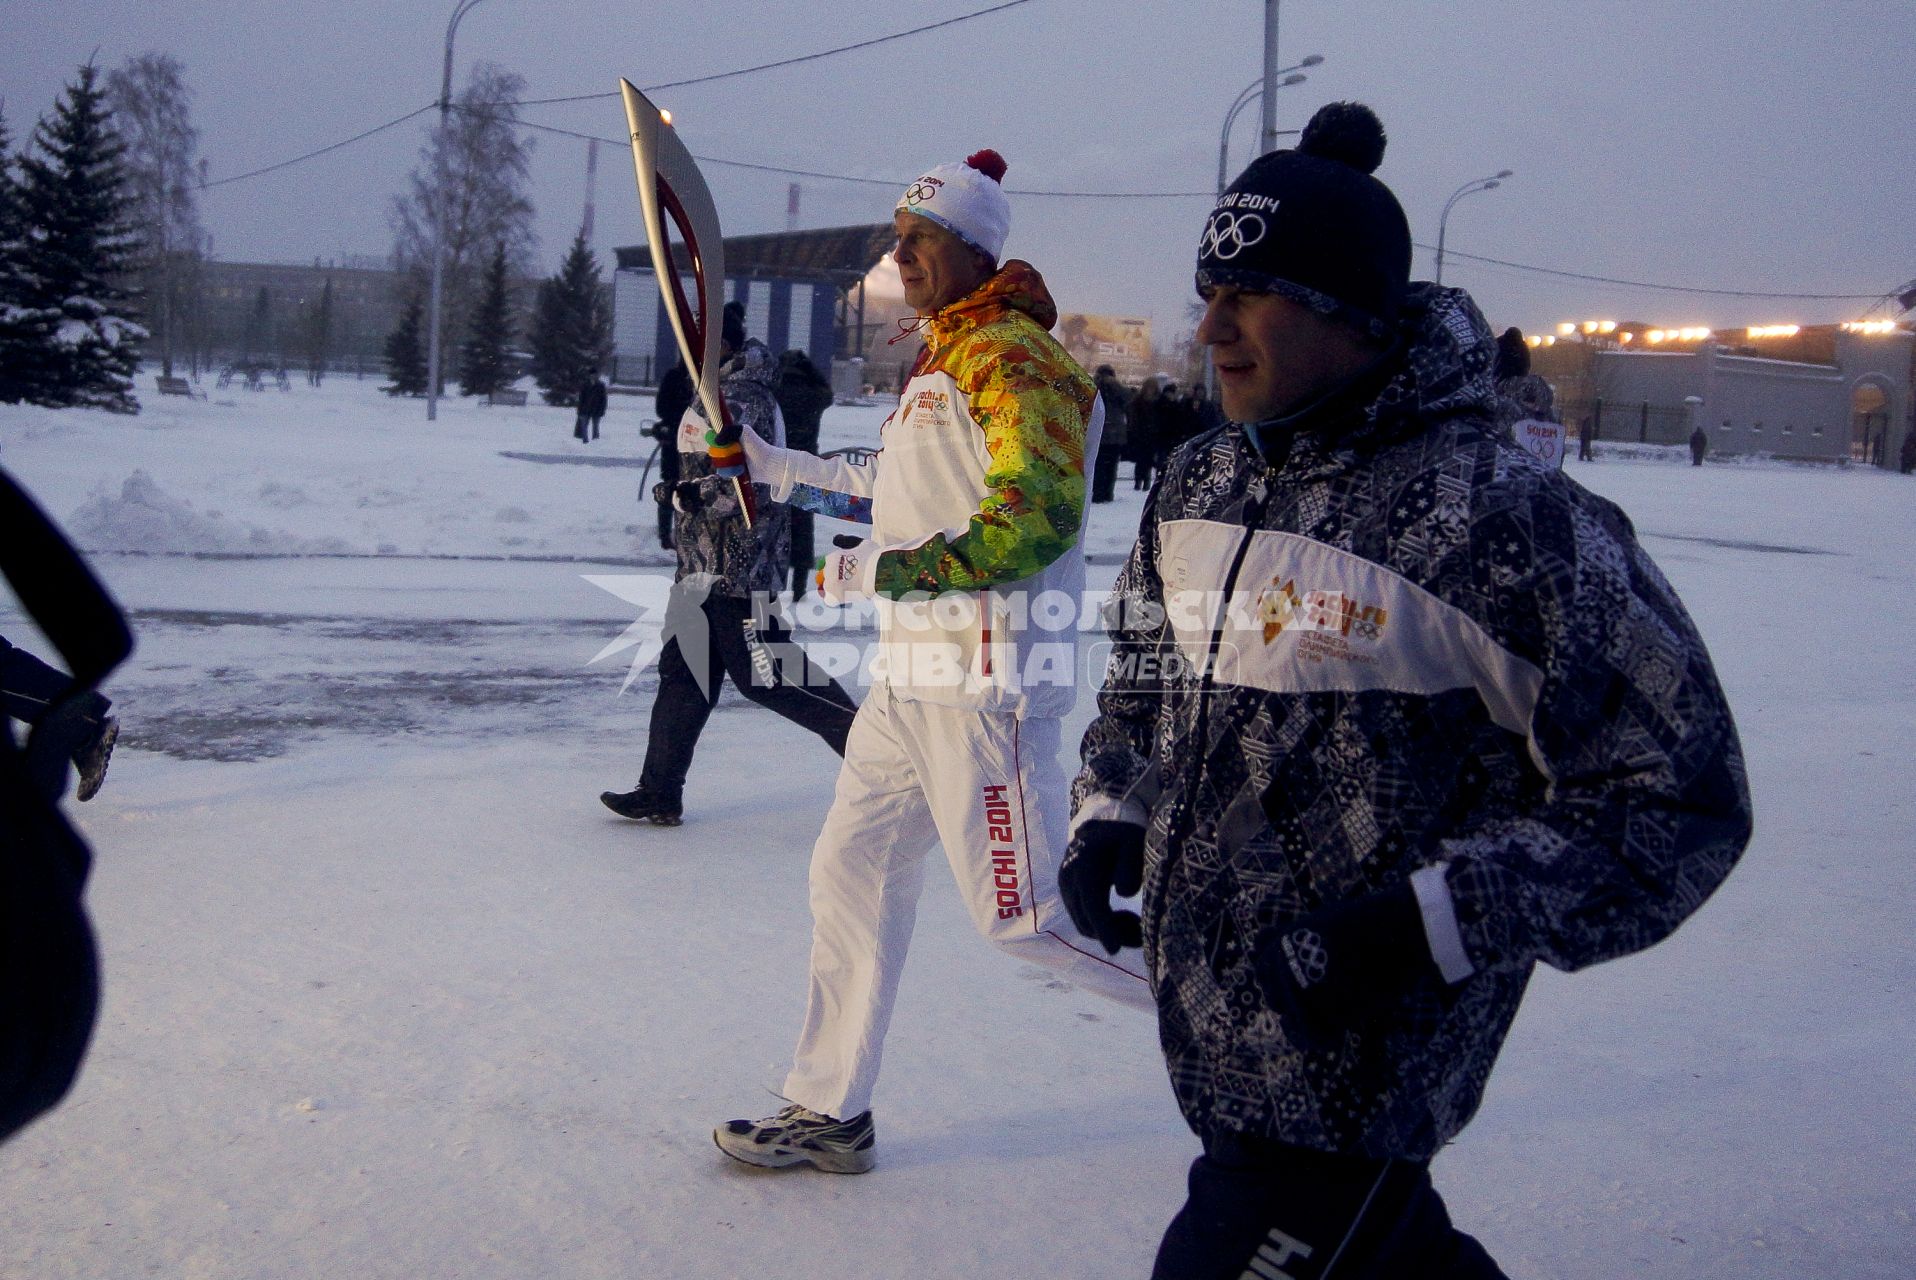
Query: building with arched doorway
(1816, 392)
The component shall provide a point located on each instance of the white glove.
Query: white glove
(763, 458)
(846, 574)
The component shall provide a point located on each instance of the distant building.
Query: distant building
(262, 313)
(803, 289)
(257, 311)
(1819, 392)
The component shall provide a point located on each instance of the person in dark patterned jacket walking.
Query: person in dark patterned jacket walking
(723, 618)
(1394, 713)
(1521, 394)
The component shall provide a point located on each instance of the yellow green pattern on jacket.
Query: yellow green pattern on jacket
(1033, 402)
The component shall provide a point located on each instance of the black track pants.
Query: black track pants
(764, 664)
(1261, 1210)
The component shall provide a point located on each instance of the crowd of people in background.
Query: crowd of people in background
(1143, 424)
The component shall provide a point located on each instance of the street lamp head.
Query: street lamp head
(1469, 188)
(1314, 60)
(1295, 78)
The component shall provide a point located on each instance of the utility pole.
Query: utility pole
(439, 218)
(591, 184)
(1267, 131)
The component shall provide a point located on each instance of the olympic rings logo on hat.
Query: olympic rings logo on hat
(923, 189)
(1229, 234)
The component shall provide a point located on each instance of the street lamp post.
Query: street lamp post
(1291, 76)
(1251, 91)
(1494, 181)
(439, 218)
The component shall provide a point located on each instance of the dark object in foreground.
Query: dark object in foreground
(49, 971)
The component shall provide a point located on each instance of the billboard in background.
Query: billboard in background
(1119, 341)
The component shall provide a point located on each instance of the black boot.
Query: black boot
(645, 804)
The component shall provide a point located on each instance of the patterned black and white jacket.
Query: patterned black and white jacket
(715, 549)
(1408, 652)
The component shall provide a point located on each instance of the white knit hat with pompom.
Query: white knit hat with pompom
(966, 200)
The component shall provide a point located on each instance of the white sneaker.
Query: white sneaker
(799, 1136)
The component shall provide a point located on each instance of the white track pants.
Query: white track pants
(989, 787)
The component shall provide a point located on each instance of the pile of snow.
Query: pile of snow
(144, 517)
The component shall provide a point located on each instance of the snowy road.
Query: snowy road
(367, 648)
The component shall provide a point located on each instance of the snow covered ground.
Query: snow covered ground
(390, 994)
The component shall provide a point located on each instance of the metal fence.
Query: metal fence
(1635, 422)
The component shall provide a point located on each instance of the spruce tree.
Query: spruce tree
(484, 358)
(257, 336)
(572, 327)
(21, 340)
(406, 352)
(319, 336)
(81, 253)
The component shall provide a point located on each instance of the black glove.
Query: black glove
(1343, 967)
(1104, 855)
(688, 496)
(846, 540)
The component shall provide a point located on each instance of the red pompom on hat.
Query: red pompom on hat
(989, 163)
(966, 200)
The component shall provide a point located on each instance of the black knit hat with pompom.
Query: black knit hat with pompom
(1314, 226)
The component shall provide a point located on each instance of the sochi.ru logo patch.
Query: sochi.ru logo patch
(1276, 606)
(1281, 607)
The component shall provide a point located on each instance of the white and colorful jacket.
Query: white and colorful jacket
(976, 501)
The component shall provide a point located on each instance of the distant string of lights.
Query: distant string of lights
(1611, 330)
(1661, 288)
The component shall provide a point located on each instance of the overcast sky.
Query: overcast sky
(1758, 145)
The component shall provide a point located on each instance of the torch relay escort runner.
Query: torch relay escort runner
(1440, 719)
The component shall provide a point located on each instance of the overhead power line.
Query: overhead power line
(846, 177)
(785, 62)
(1665, 288)
(676, 84)
(1207, 195)
(347, 142)
(1015, 191)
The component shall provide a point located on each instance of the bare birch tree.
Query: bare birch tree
(151, 108)
(481, 164)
